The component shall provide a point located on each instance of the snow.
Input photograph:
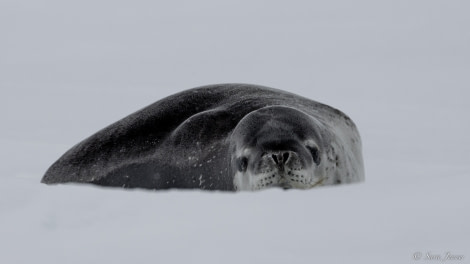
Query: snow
(400, 69)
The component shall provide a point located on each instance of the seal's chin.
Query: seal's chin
(302, 179)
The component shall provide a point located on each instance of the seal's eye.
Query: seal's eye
(242, 164)
(315, 154)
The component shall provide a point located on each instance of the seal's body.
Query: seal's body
(220, 137)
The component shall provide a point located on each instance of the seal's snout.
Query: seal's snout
(279, 161)
(282, 168)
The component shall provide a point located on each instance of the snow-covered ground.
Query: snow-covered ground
(400, 69)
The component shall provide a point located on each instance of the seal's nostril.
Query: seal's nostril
(275, 158)
(285, 156)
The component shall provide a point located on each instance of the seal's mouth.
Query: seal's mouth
(283, 182)
(301, 180)
(285, 185)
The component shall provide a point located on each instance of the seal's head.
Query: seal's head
(277, 146)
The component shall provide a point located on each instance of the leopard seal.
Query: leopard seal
(220, 137)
